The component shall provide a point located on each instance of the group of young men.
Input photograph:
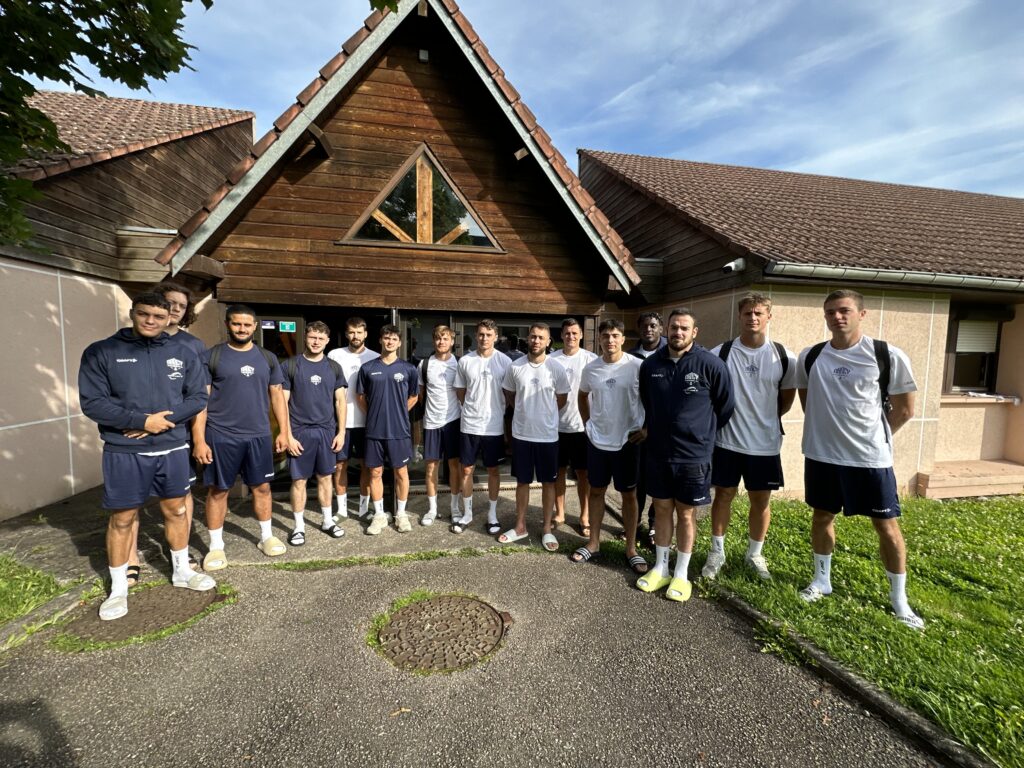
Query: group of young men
(668, 419)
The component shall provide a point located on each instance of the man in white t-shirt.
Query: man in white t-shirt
(478, 388)
(538, 387)
(351, 359)
(856, 392)
(441, 415)
(572, 440)
(749, 446)
(609, 403)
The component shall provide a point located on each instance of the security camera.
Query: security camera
(736, 265)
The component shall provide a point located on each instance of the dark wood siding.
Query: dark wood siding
(76, 220)
(283, 248)
(692, 260)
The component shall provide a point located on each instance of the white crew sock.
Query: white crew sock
(266, 529)
(343, 504)
(378, 506)
(328, 518)
(119, 580)
(661, 560)
(682, 566)
(898, 593)
(456, 499)
(754, 548)
(718, 544)
(364, 504)
(467, 508)
(823, 573)
(300, 521)
(216, 538)
(432, 503)
(492, 510)
(401, 506)
(179, 561)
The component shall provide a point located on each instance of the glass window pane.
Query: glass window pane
(970, 370)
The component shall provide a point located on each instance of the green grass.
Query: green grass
(966, 580)
(392, 561)
(23, 589)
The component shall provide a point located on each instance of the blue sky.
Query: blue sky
(927, 93)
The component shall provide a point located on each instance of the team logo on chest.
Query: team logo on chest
(841, 372)
(175, 365)
(248, 370)
(692, 380)
(751, 369)
(610, 383)
(315, 380)
(399, 377)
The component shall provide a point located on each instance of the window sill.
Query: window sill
(977, 398)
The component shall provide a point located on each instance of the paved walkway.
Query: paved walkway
(591, 672)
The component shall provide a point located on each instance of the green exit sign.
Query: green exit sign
(286, 326)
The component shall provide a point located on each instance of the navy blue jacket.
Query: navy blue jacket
(125, 377)
(635, 351)
(686, 403)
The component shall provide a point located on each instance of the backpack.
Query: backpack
(723, 354)
(882, 359)
(216, 351)
(291, 367)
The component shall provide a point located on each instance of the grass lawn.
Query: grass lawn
(966, 580)
(24, 589)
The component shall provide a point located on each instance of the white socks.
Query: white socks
(823, 573)
(300, 521)
(216, 538)
(432, 504)
(467, 507)
(682, 565)
(492, 512)
(179, 561)
(328, 518)
(456, 498)
(266, 529)
(364, 505)
(661, 560)
(401, 506)
(898, 593)
(343, 504)
(119, 579)
(718, 544)
(378, 506)
(754, 548)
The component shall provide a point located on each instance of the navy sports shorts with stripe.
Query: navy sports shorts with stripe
(621, 467)
(490, 447)
(391, 454)
(250, 457)
(317, 457)
(759, 473)
(443, 442)
(531, 460)
(129, 479)
(689, 484)
(868, 491)
(572, 450)
(355, 444)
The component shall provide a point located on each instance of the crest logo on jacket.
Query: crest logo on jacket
(248, 370)
(692, 380)
(175, 365)
(315, 380)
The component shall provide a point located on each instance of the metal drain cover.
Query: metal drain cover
(149, 610)
(442, 634)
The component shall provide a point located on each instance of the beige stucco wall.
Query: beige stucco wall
(914, 322)
(1011, 382)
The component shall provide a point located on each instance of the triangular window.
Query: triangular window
(422, 206)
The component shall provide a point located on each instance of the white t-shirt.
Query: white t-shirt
(754, 428)
(483, 410)
(536, 385)
(441, 406)
(843, 422)
(614, 396)
(569, 420)
(350, 364)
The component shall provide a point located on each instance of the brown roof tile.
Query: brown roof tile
(350, 45)
(99, 128)
(310, 91)
(263, 144)
(167, 252)
(800, 218)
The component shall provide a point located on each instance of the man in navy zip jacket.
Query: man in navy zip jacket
(649, 328)
(687, 396)
(142, 390)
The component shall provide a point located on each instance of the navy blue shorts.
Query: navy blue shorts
(868, 491)
(689, 484)
(129, 479)
(355, 444)
(317, 457)
(531, 460)
(443, 442)
(621, 467)
(759, 473)
(388, 453)
(250, 457)
(490, 447)
(572, 450)
(193, 466)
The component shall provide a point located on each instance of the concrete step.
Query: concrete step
(951, 479)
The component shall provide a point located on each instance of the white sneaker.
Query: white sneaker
(114, 607)
(428, 519)
(402, 523)
(911, 621)
(378, 524)
(760, 566)
(713, 564)
(812, 593)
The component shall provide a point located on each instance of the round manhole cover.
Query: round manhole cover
(442, 634)
(149, 610)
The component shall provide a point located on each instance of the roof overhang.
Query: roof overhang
(774, 269)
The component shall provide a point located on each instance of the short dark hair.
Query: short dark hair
(151, 299)
(488, 324)
(541, 327)
(569, 322)
(612, 324)
(355, 322)
(190, 308)
(390, 330)
(846, 293)
(644, 316)
(685, 311)
(320, 327)
(239, 309)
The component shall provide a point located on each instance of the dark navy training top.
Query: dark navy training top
(311, 403)
(125, 377)
(240, 398)
(387, 389)
(186, 339)
(687, 402)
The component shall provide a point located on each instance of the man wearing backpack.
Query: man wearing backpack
(314, 389)
(856, 392)
(232, 436)
(749, 447)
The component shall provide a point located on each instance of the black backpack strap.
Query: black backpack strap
(214, 360)
(783, 360)
(723, 351)
(812, 356)
(270, 357)
(884, 371)
(291, 367)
